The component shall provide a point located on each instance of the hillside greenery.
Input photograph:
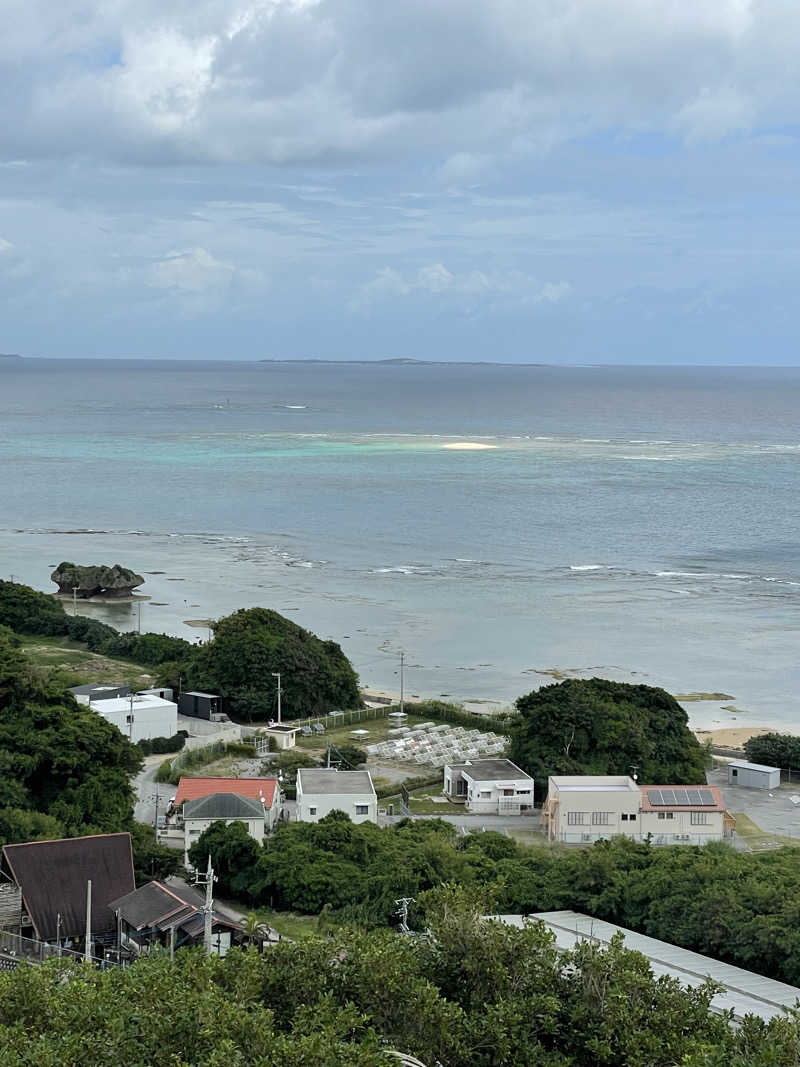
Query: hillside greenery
(738, 907)
(598, 726)
(472, 993)
(238, 663)
(250, 646)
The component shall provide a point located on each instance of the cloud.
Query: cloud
(470, 290)
(323, 81)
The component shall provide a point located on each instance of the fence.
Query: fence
(18, 949)
(433, 709)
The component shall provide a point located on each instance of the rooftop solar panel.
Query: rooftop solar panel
(654, 796)
(668, 795)
(706, 796)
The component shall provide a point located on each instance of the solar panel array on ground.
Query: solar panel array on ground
(687, 797)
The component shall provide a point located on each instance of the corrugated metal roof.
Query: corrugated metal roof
(194, 788)
(744, 765)
(745, 993)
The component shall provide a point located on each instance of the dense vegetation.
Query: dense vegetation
(774, 750)
(603, 727)
(63, 768)
(252, 644)
(473, 993)
(238, 663)
(735, 906)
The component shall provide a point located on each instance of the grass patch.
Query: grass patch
(421, 802)
(79, 666)
(289, 924)
(525, 836)
(340, 735)
(754, 836)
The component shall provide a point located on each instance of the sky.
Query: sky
(560, 181)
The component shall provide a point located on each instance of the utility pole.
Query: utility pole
(130, 721)
(402, 690)
(58, 933)
(277, 674)
(87, 948)
(156, 798)
(75, 599)
(139, 616)
(208, 907)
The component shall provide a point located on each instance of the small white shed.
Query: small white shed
(753, 775)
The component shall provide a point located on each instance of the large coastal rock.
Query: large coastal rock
(94, 581)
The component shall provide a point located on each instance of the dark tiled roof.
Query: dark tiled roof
(53, 877)
(223, 806)
(160, 906)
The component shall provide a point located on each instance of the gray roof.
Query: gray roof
(159, 906)
(97, 689)
(329, 781)
(491, 770)
(199, 693)
(744, 765)
(743, 991)
(223, 806)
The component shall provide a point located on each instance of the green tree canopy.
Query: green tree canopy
(472, 993)
(251, 645)
(57, 758)
(603, 727)
(774, 750)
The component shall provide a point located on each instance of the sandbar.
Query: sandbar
(467, 446)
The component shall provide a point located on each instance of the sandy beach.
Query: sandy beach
(732, 736)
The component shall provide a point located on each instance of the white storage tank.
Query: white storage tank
(753, 775)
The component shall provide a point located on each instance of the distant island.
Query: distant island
(10, 355)
(404, 362)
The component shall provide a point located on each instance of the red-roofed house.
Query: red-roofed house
(688, 815)
(255, 788)
(255, 802)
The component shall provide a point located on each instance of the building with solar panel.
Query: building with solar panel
(585, 808)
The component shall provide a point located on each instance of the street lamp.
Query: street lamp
(277, 674)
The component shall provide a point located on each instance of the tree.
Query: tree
(251, 645)
(774, 750)
(57, 757)
(604, 727)
(285, 766)
(234, 857)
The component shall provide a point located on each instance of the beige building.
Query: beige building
(587, 808)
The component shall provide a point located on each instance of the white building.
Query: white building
(489, 786)
(753, 775)
(139, 716)
(323, 790)
(199, 814)
(588, 808)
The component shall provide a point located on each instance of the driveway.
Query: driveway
(146, 788)
(772, 811)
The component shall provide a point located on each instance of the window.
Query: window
(734, 772)
(601, 818)
(508, 792)
(486, 792)
(698, 818)
(523, 792)
(312, 811)
(362, 809)
(628, 816)
(666, 815)
(576, 818)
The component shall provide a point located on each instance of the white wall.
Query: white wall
(676, 830)
(504, 796)
(586, 814)
(152, 717)
(315, 806)
(192, 828)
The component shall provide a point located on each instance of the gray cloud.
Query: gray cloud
(287, 81)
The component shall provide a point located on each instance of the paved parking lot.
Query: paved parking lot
(771, 810)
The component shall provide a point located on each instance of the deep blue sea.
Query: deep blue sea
(638, 523)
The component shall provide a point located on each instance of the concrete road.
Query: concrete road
(146, 789)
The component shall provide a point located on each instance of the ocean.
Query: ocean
(502, 525)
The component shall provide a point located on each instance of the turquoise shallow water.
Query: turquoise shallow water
(640, 523)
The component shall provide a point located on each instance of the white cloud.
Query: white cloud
(326, 80)
(194, 270)
(471, 289)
